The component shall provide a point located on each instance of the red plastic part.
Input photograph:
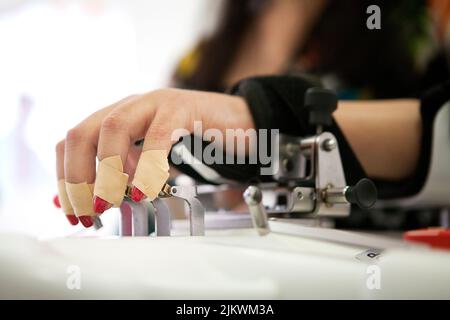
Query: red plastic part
(435, 237)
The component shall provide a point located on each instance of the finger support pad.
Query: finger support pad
(111, 181)
(152, 172)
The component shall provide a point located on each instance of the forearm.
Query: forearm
(385, 135)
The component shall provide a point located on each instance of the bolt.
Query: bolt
(329, 144)
(252, 195)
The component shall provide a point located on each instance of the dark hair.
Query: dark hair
(380, 59)
(218, 51)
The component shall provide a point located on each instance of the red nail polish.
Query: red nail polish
(86, 221)
(101, 205)
(56, 202)
(136, 194)
(72, 219)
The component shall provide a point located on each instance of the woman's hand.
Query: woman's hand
(110, 133)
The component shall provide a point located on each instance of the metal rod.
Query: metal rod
(253, 198)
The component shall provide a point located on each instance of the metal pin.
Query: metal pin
(253, 198)
(329, 144)
(98, 223)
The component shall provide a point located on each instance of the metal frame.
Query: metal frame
(135, 216)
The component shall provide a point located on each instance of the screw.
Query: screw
(329, 144)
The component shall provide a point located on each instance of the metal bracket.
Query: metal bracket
(134, 219)
(196, 210)
(135, 216)
(330, 177)
(163, 221)
(313, 177)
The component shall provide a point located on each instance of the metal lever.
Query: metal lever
(163, 221)
(134, 219)
(321, 104)
(253, 198)
(196, 210)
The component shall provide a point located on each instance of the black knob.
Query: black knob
(321, 104)
(364, 194)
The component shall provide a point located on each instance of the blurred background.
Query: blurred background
(60, 60)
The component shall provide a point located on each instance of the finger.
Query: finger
(79, 165)
(79, 170)
(62, 199)
(125, 124)
(101, 205)
(152, 170)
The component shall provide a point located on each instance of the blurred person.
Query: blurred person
(25, 167)
(21, 167)
(253, 73)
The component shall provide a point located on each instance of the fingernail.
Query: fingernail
(101, 205)
(86, 221)
(136, 194)
(56, 202)
(72, 219)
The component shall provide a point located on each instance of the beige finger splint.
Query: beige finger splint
(152, 172)
(63, 198)
(111, 181)
(80, 196)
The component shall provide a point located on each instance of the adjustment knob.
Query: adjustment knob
(364, 194)
(321, 104)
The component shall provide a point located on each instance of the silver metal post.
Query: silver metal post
(196, 210)
(163, 221)
(134, 219)
(253, 198)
